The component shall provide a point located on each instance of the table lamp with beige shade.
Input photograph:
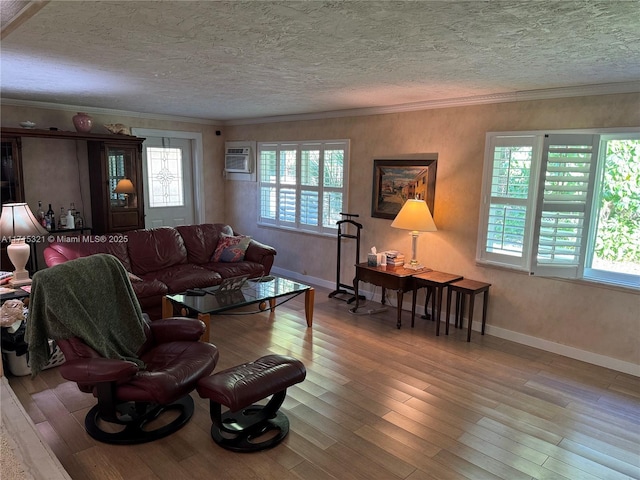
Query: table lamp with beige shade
(416, 217)
(17, 224)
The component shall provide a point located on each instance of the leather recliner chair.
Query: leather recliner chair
(136, 368)
(174, 359)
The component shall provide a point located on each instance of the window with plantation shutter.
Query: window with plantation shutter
(506, 202)
(563, 204)
(302, 185)
(565, 191)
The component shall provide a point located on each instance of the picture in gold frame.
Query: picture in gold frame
(399, 178)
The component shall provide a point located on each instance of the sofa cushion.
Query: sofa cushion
(179, 278)
(201, 240)
(231, 248)
(235, 269)
(76, 246)
(155, 249)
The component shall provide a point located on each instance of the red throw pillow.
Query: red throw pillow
(230, 248)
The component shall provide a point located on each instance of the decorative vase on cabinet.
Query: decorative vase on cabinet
(83, 122)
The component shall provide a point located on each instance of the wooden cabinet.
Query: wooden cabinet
(109, 163)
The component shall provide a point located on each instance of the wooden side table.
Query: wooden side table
(395, 278)
(436, 281)
(471, 288)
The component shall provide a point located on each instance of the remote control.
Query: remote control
(198, 293)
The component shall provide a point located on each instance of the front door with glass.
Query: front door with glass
(168, 167)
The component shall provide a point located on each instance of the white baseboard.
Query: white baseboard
(560, 349)
(531, 341)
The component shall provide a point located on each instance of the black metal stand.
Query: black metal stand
(342, 288)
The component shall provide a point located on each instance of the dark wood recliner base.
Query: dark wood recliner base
(135, 417)
(246, 427)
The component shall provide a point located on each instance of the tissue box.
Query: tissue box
(376, 259)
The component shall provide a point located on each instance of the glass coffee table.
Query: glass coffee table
(264, 292)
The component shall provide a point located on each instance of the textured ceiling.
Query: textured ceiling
(235, 60)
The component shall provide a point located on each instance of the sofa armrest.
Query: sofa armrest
(97, 370)
(176, 329)
(53, 257)
(260, 253)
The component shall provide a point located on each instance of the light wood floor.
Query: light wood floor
(380, 403)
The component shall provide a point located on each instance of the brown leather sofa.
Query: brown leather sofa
(166, 260)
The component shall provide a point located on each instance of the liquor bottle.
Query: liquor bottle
(78, 221)
(62, 219)
(51, 219)
(40, 214)
(77, 218)
(70, 220)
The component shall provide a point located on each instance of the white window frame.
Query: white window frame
(298, 147)
(527, 261)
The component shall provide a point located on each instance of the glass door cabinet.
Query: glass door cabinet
(115, 174)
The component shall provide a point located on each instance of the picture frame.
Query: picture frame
(397, 179)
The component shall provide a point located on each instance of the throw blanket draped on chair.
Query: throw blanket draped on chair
(90, 298)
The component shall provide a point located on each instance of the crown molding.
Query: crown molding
(519, 96)
(107, 111)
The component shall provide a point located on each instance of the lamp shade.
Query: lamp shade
(18, 221)
(125, 186)
(415, 215)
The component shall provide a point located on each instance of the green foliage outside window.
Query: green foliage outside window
(618, 238)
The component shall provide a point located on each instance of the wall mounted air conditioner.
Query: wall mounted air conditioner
(238, 159)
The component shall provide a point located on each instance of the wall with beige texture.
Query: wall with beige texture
(592, 319)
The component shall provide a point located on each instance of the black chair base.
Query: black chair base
(135, 417)
(262, 435)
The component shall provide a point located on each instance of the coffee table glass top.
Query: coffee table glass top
(253, 291)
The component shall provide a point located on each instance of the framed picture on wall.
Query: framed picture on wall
(397, 179)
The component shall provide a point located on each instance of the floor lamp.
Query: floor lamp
(415, 216)
(18, 223)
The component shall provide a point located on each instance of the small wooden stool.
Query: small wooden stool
(246, 427)
(471, 288)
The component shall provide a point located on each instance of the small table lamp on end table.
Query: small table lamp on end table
(16, 223)
(415, 216)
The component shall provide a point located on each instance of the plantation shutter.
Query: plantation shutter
(507, 205)
(267, 168)
(287, 206)
(565, 192)
(311, 164)
(301, 184)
